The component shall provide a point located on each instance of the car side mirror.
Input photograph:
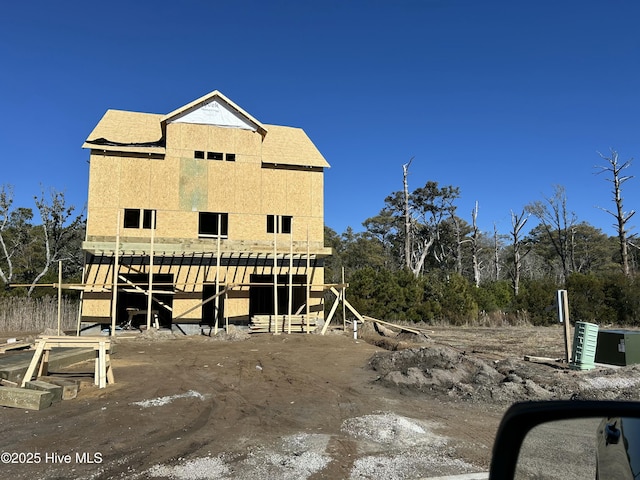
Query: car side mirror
(568, 439)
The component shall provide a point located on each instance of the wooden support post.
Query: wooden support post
(150, 294)
(344, 307)
(97, 367)
(35, 361)
(290, 304)
(275, 280)
(216, 309)
(348, 305)
(101, 377)
(110, 376)
(43, 369)
(308, 276)
(84, 279)
(59, 294)
(563, 316)
(331, 313)
(226, 315)
(116, 267)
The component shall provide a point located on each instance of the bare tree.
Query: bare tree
(407, 214)
(558, 223)
(460, 239)
(6, 202)
(496, 253)
(15, 236)
(58, 226)
(518, 222)
(622, 217)
(475, 247)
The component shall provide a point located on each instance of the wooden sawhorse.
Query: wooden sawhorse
(102, 346)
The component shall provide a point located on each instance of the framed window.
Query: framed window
(132, 217)
(212, 224)
(230, 157)
(147, 217)
(285, 223)
(214, 155)
(279, 223)
(198, 154)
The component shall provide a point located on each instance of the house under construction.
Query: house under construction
(202, 216)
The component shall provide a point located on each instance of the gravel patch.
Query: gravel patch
(391, 429)
(297, 457)
(406, 448)
(602, 383)
(160, 401)
(408, 465)
(195, 469)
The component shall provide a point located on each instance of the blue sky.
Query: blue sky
(503, 99)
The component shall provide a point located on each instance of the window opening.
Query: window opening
(279, 223)
(147, 216)
(131, 218)
(210, 223)
(285, 224)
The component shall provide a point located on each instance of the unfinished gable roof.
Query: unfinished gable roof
(127, 131)
(124, 131)
(215, 109)
(290, 146)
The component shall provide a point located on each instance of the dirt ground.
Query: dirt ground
(242, 406)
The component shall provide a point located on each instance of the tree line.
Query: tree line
(419, 260)
(30, 251)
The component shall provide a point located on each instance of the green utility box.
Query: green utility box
(618, 347)
(585, 339)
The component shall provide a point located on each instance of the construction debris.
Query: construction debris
(531, 358)
(56, 390)
(283, 324)
(15, 345)
(412, 329)
(69, 386)
(25, 398)
(384, 331)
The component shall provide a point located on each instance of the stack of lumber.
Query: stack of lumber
(15, 345)
(37, 394)
(285, 323)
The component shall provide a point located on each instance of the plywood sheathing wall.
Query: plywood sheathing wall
(171, 181)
